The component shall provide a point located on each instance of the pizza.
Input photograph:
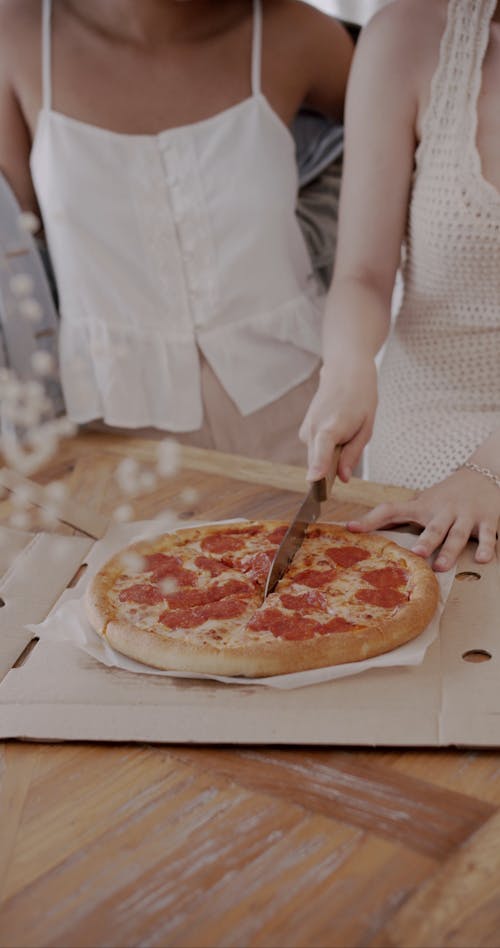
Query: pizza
(193, 600)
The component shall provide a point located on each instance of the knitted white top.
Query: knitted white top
(439, 390)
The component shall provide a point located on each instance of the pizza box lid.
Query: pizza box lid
(53, 691)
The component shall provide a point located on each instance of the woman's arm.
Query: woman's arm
(387, 95)
(381, 118)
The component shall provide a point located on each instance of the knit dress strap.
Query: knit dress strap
(452, 109)
(46, 55)
(472, 112)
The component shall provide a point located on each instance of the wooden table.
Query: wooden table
(190, 846)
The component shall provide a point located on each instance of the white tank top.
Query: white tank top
(167, 244)
(439, 392)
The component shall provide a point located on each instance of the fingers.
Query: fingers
(384, 515)
(454, 536)
(450, 516)
(322, 447)
(487, 543)
(320, 455)
(351, 452)
(455, 539)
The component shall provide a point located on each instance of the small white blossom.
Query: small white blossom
(166, 520)
(21, 284)
(42, 436)
(65, 427)
(22, 496)
(49, 516)
(189, 496)
(168, 585)
(123, 513)
(148, 480)
(29, 222)
(56, 491)
(43, 362)
(27, 459)
(20, 520)
(30, 309)
(169, 457)
(127, 475)
(132, 562)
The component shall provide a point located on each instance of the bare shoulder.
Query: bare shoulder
(405, 32)
(311, 52)
(396, 56)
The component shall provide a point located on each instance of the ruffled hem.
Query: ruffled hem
(132, 379)
(260, 359)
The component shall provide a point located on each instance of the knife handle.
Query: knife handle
(322, 488)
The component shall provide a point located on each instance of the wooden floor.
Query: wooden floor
(108, 845)
(129, 845)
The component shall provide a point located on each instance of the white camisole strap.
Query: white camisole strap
(256, 46)
(46, 55)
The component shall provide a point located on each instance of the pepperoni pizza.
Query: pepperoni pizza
(192, 600)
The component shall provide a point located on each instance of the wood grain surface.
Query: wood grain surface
(104, 845)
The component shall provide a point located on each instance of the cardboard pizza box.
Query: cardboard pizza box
(54, 691)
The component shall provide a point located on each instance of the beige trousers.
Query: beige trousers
(270, 433)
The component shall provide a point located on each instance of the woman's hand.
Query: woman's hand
(466, 504)
(341, 412)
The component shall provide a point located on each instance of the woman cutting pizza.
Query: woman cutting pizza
(425, 169)
(161, 161)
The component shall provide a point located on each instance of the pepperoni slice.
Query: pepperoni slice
(142, 593)
(303, 601)
(388, 576)
(314, 578)
(222, 543)
(226, 608)
(346, 555)
(256, 566)
(210, 565)
(156, 561)
(337, 624)
(294, 628)
(192, 618)
(164, 566)
(385, 597)
(200, 597)
(182, 618)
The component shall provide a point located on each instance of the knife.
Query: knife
(307, 513)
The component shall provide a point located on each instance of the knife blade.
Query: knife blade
(307, 513)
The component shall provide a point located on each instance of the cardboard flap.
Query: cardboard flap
(40, 570)
(61, 693)
(470, 633)
(83, 517)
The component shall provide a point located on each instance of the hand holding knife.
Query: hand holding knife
(307, 513)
